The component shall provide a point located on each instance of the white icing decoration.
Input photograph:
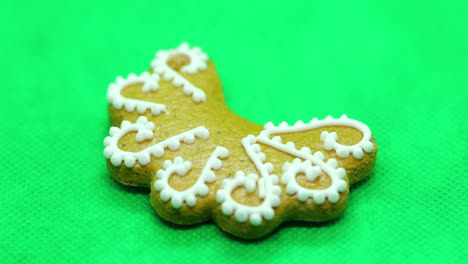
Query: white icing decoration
(268, 189)
(290, 171)
(311, 167)
(181, 167)
(329, 139)
(144, 132)
(150, 83)
(198, 61)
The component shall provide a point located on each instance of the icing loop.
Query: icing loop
(181, 167)
(329, 139)
(150, 83)
(198, 61)
(290, 171)
(268, 189)
(311, 167)
(144, 130)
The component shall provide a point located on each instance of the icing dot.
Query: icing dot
(274, 180)
(130, 106)
(108, 141)
(323, 136)
(210, 176)
(341, 173)
(250, 139)
(269, 125)
(341, 186)
(286, 166)
(261, 156)
(199, 96)
(250, 186)
(329, 143)
(143, 135)
(290, 145)
(113, 131)
(178, 81)
(166, 164)
(108, 151)
(298, 123)
(157, 151)
(333, 196)
(275, 201)
(116, 159)
(141, 108)
(269, 167)
(342, 152)
(125, 123)
(189, 138)
(256, 148)
(202, 190)
(220, 196)
(165, 195)
(144, 121)
(277, 190)
(306, 150)
(202, 132)
(129, 161)
(319, 155)
(144, 158)
(291, 189)
(191, 200)
(277, 139)
(333, 163)
(159, 185)
(313, 173)
(167, 76)
(368, 147)
(217, 164)
(241, 216)
(118, 103)
(268, 213)
(358, 153)
(223, 152)
(176, 202)
(173, 145)
(255, 219)
(150, 126)
(302, 196)
(160, 174)
(319, 198)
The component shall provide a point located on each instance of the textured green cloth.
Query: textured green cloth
(399, 66)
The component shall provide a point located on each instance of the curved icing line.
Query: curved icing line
(291, 169)
(267, 185)
(181, 167)
(145, 131)
(198, 61)
(329, 139)
(150, 81)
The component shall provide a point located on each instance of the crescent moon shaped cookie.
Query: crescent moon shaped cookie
(173, 133)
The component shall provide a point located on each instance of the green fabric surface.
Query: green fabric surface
(401, 67)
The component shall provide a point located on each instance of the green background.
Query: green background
(399, 66)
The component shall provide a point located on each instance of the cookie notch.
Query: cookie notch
(212, 196)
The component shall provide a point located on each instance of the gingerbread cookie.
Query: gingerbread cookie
(172, 132)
